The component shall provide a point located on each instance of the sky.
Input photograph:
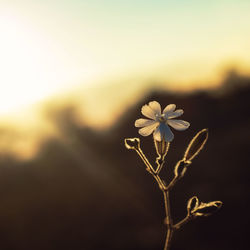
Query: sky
(49, 47)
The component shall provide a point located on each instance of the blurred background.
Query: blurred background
(73, 77)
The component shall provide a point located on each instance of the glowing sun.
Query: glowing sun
(32, 65)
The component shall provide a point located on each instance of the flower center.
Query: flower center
(161, 118)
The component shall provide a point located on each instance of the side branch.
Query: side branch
(182, 222)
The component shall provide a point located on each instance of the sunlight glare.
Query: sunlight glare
(32, 66)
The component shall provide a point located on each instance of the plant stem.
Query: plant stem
(168, 220)
(172, 183)
(145, 160)
(182, 222)
(151, 170)
(159, 166)
(165, 191)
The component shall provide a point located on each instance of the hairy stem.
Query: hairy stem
(168, 220)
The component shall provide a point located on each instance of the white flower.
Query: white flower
(160, 121)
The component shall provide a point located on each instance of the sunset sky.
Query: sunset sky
(49, 47)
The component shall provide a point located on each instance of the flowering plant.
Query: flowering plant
(160, 121)
(158, 124)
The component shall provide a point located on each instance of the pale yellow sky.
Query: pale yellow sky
(50, 47)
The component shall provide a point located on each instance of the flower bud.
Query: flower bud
(161, 148)
(206, 209)
(132, 143)
(196, 145)
(180, 168)
(192, 204)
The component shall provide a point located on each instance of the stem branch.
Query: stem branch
(165, 190)
(182, 222)
(145, 160)
(159, 165)
(151, 170)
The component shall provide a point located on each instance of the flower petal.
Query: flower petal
(163, 132)
(157, 134)
(174, 114)
(148, 112)
(154, 105)
(168, 135)
(169, 109)
(148, 129)
(178, 124)
(144, 122)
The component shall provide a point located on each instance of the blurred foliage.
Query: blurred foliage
(86, 191)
